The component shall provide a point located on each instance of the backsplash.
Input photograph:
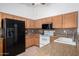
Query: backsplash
(0, 32)
(49, 33)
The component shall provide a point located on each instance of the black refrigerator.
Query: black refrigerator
(14, 37)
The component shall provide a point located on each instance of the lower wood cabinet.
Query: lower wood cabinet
(27, 42)
(1, 46)
(32, 40)
(36, 41)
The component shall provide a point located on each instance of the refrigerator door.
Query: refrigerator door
(14, 34)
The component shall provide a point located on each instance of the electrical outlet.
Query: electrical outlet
(64, 31)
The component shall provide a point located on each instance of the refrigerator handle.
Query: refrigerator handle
(16, 30)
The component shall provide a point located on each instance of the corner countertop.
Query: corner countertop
(1, 38)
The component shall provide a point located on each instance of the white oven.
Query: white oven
(44, 40)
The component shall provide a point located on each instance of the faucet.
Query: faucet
(65, 32)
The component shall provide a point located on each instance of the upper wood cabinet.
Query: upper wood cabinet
(39, 22)
(70, 20)
(0, 19)
(10, 16)
(30, 23)
(5, 15)
(27, 22)
(57, 21)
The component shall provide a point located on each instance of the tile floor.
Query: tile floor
(36, 51)
(55, 49)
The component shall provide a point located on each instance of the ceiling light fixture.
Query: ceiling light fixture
(38, 3)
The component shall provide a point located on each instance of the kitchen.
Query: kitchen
(42, 34)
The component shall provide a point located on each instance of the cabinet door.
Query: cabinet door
(27, 23)
(28, 42)
(31, 41)
(70, 20)
(57, 21)
(1, 47)
(48, 20)
(0, 19)
(32, 24)
(19, 18)
(38, 23)
(36, 41)
(4, 15)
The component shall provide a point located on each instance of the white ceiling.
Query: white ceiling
(35, 4)
(38, 11)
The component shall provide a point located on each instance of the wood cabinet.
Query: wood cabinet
(36, 41)
(38, 23)
(5, 15)
(57, 21)
(29, 42)
(30, 23)
(35, 24)
(46, 20)
(1, 46)
(27, 22)
(32, 40)
(10, 16)
(0, 19)
(70, 20)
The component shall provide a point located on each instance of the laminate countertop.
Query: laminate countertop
(60, 49)
(1, 38)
